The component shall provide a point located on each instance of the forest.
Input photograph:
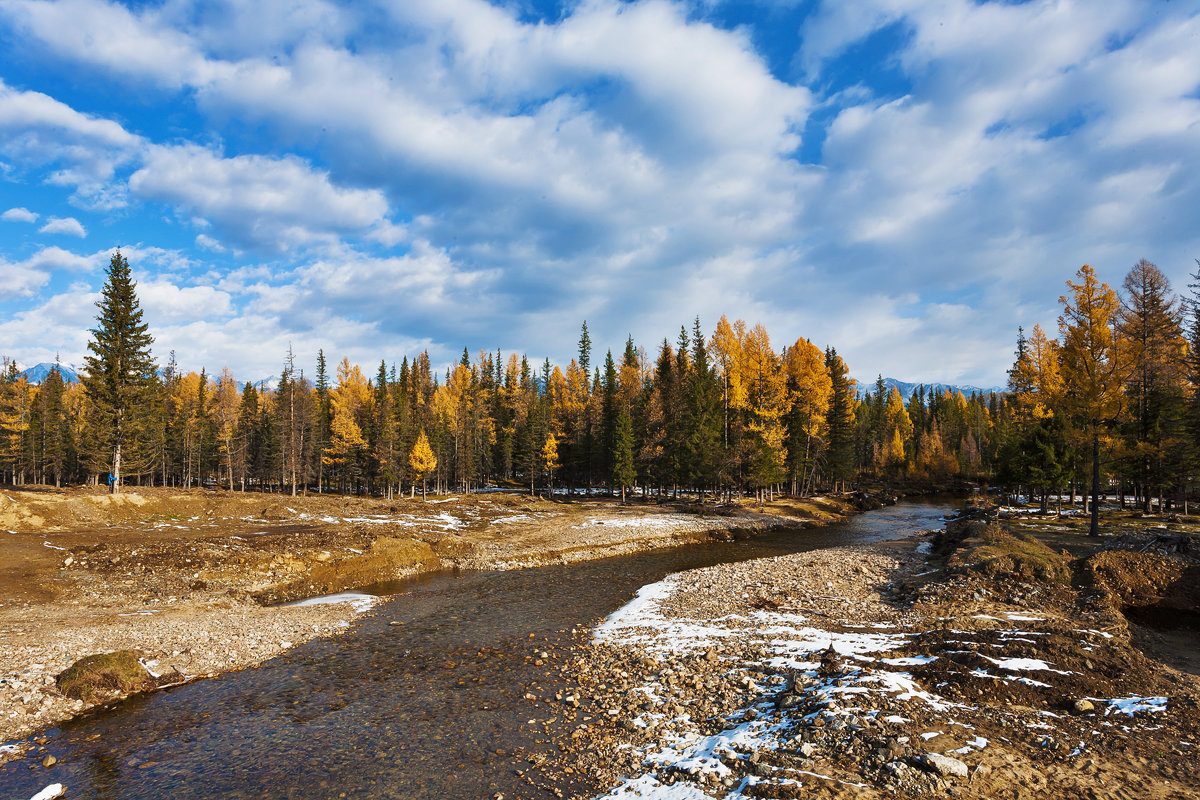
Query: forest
(1111, 398)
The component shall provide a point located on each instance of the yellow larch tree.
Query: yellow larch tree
(422, 460)
(226, 404)
(726, 350)
(809, 391)
(1091, 370)
(899, 430)
(346, 444)
(766, 399)
(550, 460)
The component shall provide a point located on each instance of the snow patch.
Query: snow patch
(359, 601)
(1132, 705)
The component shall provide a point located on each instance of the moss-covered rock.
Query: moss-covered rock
(93, 676)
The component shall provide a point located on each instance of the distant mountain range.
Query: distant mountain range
(38, 372)
(906, 389)
(70, 374)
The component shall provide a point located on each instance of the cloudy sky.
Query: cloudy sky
(907, 180)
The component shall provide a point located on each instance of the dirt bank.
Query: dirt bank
(980, 664)
(184, 577)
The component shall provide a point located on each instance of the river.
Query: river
(424, 699)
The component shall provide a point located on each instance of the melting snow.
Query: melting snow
(1023, 665)
(359, 601)
(1132, 705)
(630, 522)
(909, 661)
(514, 518)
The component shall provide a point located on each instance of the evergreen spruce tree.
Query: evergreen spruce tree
(840, 452)
(608, 416)
(704, 413)
(1149, 322)
(58, 443)
(249, 439)
(585, 352)
(324, 416)
(119, 371)
(623, 473)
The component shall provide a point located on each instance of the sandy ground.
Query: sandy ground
(970, 664)
(190, 579)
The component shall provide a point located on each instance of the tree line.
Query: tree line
(1112, 402)
(727, 413)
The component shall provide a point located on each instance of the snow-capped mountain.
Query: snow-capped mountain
(906, 388)
(38, 372)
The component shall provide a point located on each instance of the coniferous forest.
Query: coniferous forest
(1111, 402)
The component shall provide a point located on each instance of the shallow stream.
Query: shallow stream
(424, 699)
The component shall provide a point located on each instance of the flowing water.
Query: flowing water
(423, 699)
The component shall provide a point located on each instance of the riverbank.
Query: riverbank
(971, 662)
(185, 577)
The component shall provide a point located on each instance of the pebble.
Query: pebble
(944, 765)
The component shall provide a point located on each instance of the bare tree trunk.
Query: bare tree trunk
(1094, 530)
(116, 473)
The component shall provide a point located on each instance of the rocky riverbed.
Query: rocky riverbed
(968, 663)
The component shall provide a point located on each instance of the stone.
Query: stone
(807, 749)
(1084, 706)
(49, 761)
(944, 765)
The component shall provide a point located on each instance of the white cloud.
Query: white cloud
(19, 215)
(206, 242)
(85, 151)
(21, 279)
(274, 203)
(67, 226)
(136, 44)
(166, 302)
(56, 258)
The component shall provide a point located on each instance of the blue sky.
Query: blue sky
(907, 180)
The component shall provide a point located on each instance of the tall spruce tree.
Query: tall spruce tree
(704, 413)
(119, 372)
(623, 472)
(585, 352)
(840, 419)
(1149, 321)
